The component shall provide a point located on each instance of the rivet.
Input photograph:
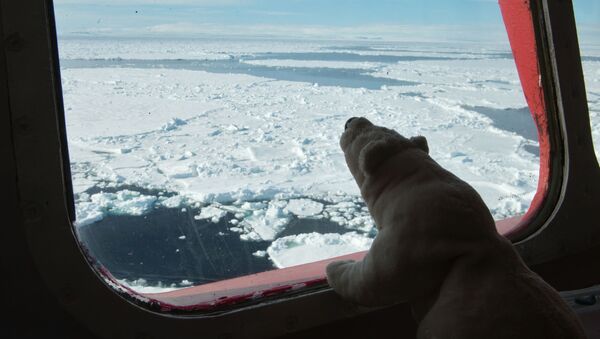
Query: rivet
(23, 126)
(32, 211)
(575, 92)
(68, 295)
(580, 140)
(14, 42)
(587, 191)
(291, 322)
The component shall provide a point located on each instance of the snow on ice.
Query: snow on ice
(305, 248)
(267, 151)
(92, 208)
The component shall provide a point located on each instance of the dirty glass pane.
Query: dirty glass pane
(204, 134)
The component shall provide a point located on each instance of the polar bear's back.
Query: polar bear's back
(494, 295)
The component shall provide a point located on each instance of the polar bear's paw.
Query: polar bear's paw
(336, 269)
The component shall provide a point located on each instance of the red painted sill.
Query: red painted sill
(247, 288)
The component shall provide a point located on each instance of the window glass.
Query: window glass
(204, 134)
(587, 15)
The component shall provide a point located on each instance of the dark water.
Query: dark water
(351, 78)
(590, 58)
(385, 48)
(346, 56)
(514, 120)
(149, 246)
(108, 187)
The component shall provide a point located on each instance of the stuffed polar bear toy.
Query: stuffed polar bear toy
(438, 249)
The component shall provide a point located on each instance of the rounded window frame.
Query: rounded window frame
(46, 197)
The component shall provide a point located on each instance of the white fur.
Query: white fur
(438, 249)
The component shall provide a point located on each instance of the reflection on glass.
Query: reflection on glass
(204, 138)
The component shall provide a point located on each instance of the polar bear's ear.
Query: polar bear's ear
(375, 153)
(420, 142)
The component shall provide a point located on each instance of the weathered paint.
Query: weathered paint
(233, 291)
(228, 301)
(518, 20)
(226, 293)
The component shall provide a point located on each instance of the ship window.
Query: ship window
(587, 15)
(204, 138)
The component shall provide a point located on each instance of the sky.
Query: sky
(285, 17)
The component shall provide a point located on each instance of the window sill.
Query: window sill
(221, 294)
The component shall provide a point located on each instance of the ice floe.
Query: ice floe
(305, 248)
(304, 207)
(124, 202)
(212, 213)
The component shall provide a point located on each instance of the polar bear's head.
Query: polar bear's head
(367, 146)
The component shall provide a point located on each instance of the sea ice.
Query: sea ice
(124, 202)
(304, 207)
(312, 63)
(175, 201)
(304, 248)
(265, 224)
(210, 212)
(267, 150)
(173, 124)
(142, 286)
